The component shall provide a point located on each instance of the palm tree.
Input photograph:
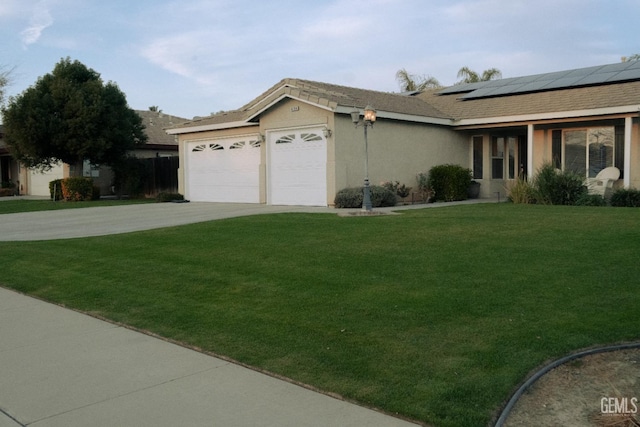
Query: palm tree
(410, 83)
(470, 76)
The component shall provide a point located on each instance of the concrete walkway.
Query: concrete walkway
(62, 368)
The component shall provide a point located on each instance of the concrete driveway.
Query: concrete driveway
(100, 221)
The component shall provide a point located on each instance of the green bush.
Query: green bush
(591, 200)
(626, 198)
(77, 188)
(352, 197)
(168, 197)
(449, 182)
(55, 189)
(521, 191)
(555, 187)
(395, 187)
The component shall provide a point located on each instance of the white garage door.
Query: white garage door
(223, 171)
(39, 181)
(297, 165)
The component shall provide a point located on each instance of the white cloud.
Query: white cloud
(40, 19)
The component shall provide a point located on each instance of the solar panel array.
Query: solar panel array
(623, 71)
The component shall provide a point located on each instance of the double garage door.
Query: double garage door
(229, 170)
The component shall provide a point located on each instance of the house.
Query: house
(32, 182)
(296, 144)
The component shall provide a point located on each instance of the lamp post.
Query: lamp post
(368, 120)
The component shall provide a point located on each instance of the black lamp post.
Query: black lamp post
(369, 120)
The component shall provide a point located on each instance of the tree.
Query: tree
(70, 115)
(409, 82)
(634, 57)
(155, 109)
(470, 76)
(5, 76)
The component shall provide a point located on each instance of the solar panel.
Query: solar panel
(603, 74)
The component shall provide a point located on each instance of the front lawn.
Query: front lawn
(435, 314)
(31, 205)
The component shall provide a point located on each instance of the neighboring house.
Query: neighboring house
(296, 144)
(36, 183)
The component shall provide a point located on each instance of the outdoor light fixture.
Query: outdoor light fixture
(369, 120)
(326, 132)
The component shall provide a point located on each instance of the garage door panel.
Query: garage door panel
(224, 171)
(298, 168)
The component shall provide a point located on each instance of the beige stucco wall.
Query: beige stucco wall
(398, 151)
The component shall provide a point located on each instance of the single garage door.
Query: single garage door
(297, 165)
(39, 181)
(223, 171)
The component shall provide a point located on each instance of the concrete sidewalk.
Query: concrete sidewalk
(62, 368)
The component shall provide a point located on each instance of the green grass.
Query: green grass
(436, 314)
(26, 205)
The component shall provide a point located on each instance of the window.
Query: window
(497, 157)
(556, 149)
(588, 151)
(237, 145)
(477, 157)
(286, 139)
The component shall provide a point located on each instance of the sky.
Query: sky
(196, 57)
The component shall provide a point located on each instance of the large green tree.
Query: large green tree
(5, 76)
(70, 115)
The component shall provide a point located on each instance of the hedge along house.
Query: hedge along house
(296, 144)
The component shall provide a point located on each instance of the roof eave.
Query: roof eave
(214, 126)
(402, 117)
(557, 115)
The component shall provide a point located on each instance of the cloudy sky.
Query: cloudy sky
(195, 57)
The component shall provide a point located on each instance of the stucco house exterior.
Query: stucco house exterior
(296, 143)
(36, 183)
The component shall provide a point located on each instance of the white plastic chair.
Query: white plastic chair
(603, 182)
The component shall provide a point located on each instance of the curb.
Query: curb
(535, 377)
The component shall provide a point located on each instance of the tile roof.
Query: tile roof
(324, 94)
(155, 124)
(570, 99)
(444, 103)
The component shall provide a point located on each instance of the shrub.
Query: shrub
(426, 193)
(397, 188)
(555, 187)
(75, 189)
(521, 191)
(352, 197)
(449, 182)
(626, 198)
(55, 189)
(168, 197)
(591, 200)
